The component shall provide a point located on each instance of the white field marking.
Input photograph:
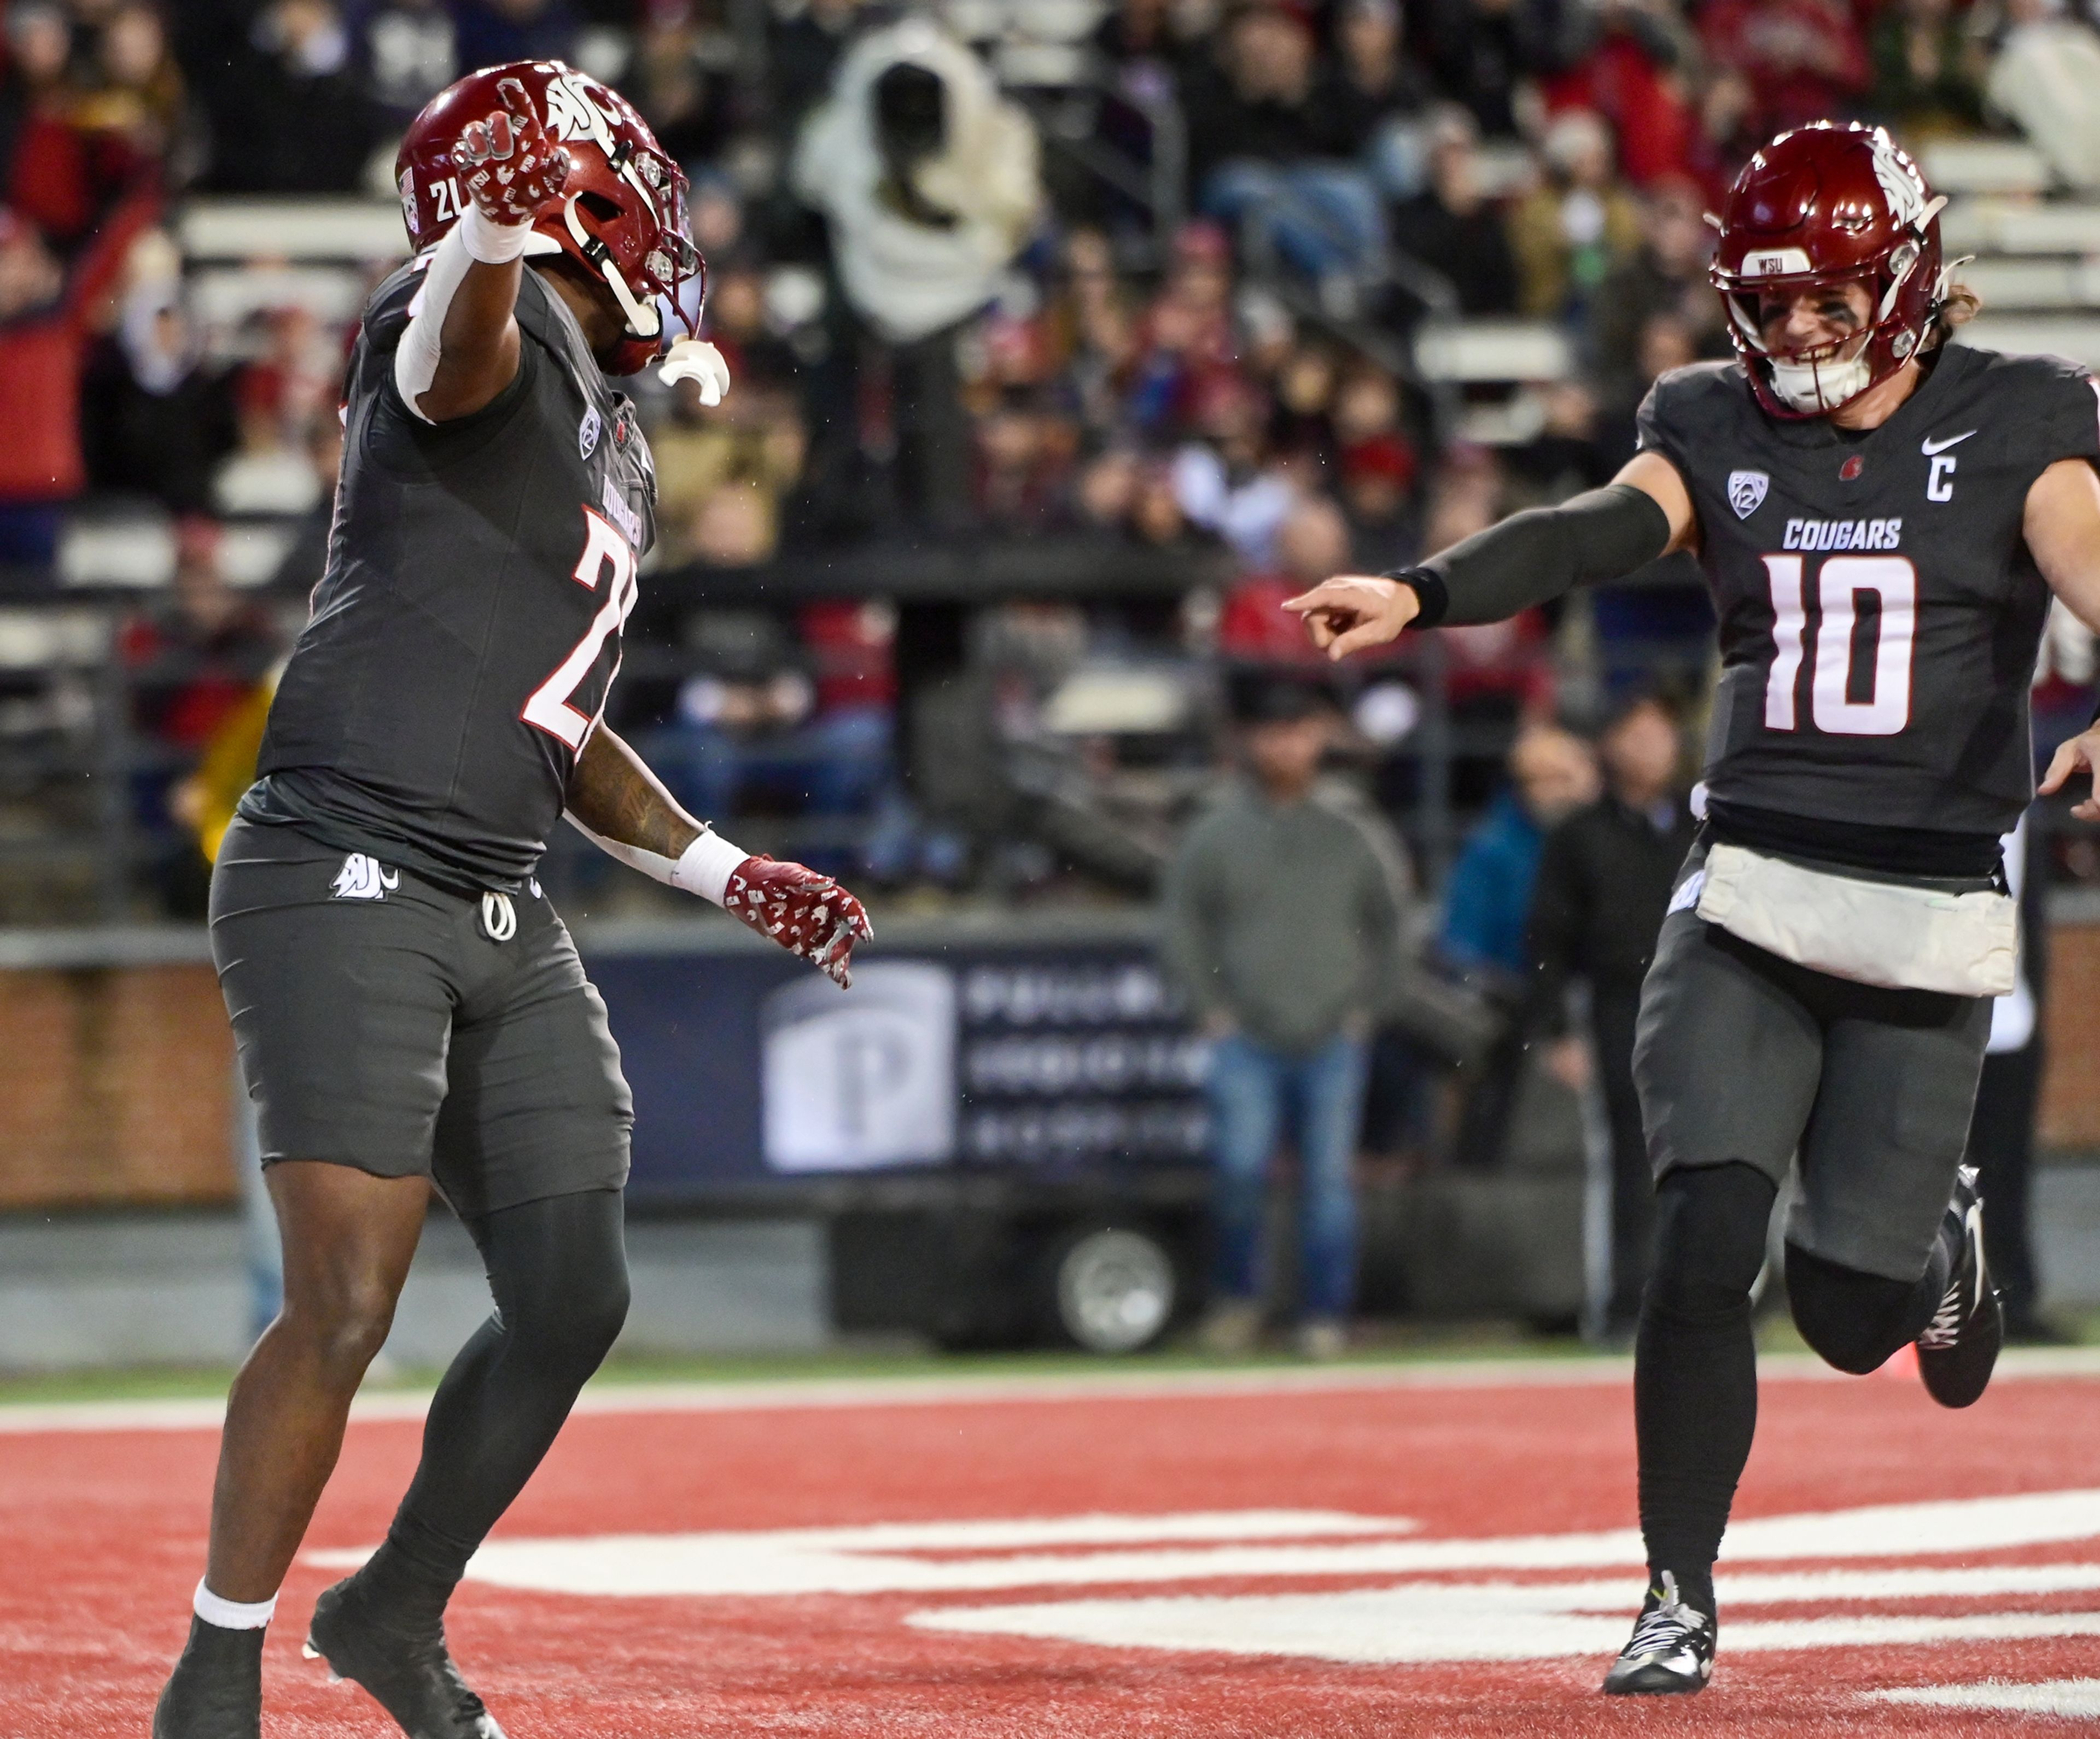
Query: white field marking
(1140, 1384)
(1445, 1622)
(880, 1560)
(1526, 1621)
(2072, 1697)
(874, 1560)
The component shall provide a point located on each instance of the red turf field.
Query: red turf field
(1324, 1561)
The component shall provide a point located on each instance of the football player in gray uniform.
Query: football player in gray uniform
(409, 1008)
(1882, 517)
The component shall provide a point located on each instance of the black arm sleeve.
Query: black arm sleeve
(1531, 557)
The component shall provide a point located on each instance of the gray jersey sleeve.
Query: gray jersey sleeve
(2066, 404)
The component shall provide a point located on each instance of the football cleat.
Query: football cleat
(1960, 1346)
(216, 1689)
(411, 1677)
(1671, 1650)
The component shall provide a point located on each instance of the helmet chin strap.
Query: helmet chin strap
(643, 321)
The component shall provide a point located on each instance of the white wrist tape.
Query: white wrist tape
(473, 238)
(491, 243)
(704, 866)
(232, 1615)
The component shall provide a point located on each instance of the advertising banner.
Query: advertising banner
(748, 1069)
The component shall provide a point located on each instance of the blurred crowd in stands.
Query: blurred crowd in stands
(1100, 290)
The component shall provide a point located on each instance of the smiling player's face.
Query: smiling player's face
(1813, 320)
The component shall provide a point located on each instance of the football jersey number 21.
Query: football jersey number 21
(548, 706)
(1838, 584)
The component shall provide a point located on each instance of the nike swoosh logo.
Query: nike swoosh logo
(1929, 448)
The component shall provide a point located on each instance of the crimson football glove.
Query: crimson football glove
(509, 166)
(807, 914)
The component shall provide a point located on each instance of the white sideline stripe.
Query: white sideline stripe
(878, 1560)
(1430, 1623)
(2077, 1697)
(791, 1393)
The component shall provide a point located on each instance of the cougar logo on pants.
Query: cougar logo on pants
(362, 878)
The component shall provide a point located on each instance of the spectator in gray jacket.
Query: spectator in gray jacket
(1281, 924)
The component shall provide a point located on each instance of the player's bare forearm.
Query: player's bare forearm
(621, 804)
(614, 794)
(478, 354)
(2061, 523)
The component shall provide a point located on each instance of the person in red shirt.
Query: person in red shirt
(46, 322)
(1806, 59)
(1634, 77)
(46, 174)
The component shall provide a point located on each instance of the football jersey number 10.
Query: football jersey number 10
(1838, 583)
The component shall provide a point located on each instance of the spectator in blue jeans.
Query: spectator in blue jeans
(1281, 925)
(1270, 150)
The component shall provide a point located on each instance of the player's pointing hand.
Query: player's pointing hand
(2081, 754)
(507, 164)
(1350, 611)
(806, 913)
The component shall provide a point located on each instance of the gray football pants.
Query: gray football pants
(1741, 1056)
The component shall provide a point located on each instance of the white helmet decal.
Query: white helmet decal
(572, 113)
(1899, 182)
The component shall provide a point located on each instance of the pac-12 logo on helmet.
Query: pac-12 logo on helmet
(622, 214)
(1819, 207)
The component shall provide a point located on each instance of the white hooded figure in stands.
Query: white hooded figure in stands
(929, 178)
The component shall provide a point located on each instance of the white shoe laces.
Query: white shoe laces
(1667, 1626)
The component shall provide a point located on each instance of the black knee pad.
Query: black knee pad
(1853, 1320)
(1709, 1239)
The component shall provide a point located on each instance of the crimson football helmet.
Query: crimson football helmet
(1822, 205)
(622, 214)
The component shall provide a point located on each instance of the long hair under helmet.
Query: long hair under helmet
(1820, 206)
(623, 214)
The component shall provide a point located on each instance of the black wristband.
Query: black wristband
(1429, 587)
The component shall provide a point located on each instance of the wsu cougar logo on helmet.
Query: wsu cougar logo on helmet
(1899, 181)
(572, 114)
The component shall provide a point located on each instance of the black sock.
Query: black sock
(558, 1269)
(217, 1683)
(222, 1644)
(1695, 1587)
(1696, 1366)
(410, 1583)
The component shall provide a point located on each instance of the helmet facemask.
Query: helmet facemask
(625, 218)
(1815, 379)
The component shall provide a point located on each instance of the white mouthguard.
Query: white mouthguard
(696, 360)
